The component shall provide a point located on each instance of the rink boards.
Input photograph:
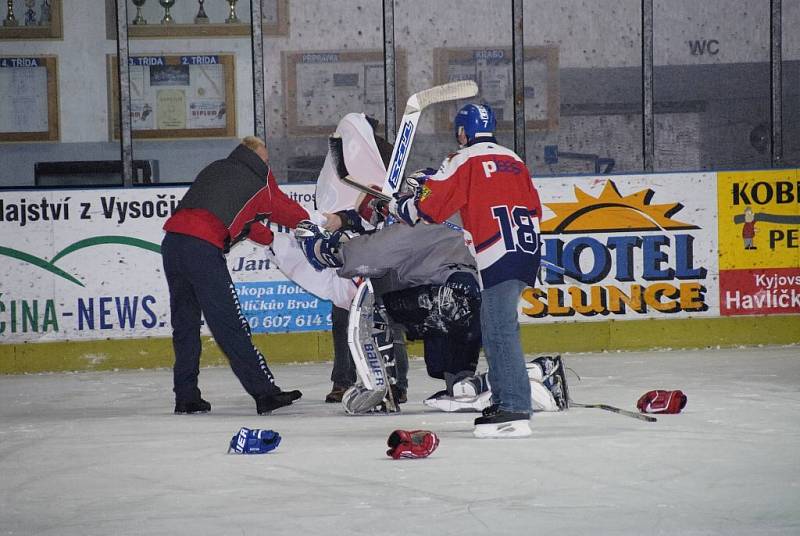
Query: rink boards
(84, 265)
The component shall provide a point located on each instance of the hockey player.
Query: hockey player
(491, 188)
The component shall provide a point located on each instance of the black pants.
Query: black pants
(199, 281)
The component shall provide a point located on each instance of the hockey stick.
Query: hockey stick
(614, 409)
(462, 89)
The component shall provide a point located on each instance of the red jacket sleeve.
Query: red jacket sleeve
(285, 210)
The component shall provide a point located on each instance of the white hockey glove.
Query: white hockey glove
(404, 208)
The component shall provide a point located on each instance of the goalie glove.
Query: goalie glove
(254, 441)
(661, 401)
(411, 444)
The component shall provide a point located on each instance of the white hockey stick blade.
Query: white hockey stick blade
(463, 89)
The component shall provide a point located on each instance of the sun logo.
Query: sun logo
(612, 212)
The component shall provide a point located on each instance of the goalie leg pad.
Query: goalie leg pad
(465, 384)
(364, 347)
(541, 398)
(370, 340)
(444, 402)
(549, 371)
(358, 400)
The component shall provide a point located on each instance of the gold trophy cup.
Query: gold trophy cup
(201, 17)
(139, 19)
(10, 19)
(232, 18)
(166, 4)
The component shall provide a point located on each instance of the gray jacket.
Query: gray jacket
(399, 256)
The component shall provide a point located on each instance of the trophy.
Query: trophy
(10, 20)
(30, 13)
(166, 4)
(232, 18)
(201, 17)
(44, 17)
(139, 19)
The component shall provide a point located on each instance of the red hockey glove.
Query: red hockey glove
(412, 444)
(661, 401)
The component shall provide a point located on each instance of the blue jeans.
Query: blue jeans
(500, 328)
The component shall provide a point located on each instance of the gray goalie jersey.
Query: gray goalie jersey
(403, 256)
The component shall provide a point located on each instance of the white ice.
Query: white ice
(102, 454)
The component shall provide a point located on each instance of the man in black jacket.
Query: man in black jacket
(230, 200)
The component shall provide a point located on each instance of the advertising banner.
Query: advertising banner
(86, 264)
(638, 246)
(759, 242)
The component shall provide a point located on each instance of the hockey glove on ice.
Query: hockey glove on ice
(254, 441)
(661, 401)
(412, 444)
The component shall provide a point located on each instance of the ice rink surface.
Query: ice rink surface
(103, 454)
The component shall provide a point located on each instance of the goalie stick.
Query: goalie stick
(462, 89)
(614, 409)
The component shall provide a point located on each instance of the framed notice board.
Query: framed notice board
(177, 96)
(491, 68)
(28, 98)
(320, 87)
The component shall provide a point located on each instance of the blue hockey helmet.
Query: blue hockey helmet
(477, 120)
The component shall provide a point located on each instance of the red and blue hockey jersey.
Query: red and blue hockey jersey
(491, 188)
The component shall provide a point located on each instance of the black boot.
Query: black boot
(336, 394)
(194, 406)
(266, 403)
